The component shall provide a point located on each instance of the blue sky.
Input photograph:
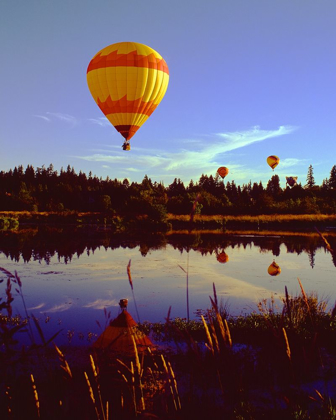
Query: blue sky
(248, 78)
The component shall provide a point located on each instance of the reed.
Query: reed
(222, 380)
(36, 397)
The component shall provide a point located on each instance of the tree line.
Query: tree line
(45, 190)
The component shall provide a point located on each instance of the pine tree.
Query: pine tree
(310, 177)
(273, 186)
(332, 178)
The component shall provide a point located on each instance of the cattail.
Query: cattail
(228, 334)
(175, 385)
(169, 380)
(288, 305)
(287, 344)
(304, 296)
(211, 347)
(65, 366)
(37, 402)
(325, 241)
(90, 388)
(129, 274)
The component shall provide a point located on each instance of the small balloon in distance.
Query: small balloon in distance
(273, 161)
(291, 180)
(222, 171)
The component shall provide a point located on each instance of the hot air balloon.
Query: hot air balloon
(273, 161)
(222, 257)
(222, 171)
(128, 81)
(274, 269)
(291, 180)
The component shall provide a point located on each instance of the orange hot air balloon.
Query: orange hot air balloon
(222, 258)
(274, 269)
(273, 161)
(222, 171)
(128, 81)
(291, 180)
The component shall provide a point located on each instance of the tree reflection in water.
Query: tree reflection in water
(43, 243)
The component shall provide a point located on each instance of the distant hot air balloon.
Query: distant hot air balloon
(222, 171)
(222, 257)
(273, 161)
(128, 81)
(274, 269)
(291, 180)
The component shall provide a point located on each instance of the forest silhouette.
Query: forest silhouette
(45, 190)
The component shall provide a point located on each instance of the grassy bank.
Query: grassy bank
(261, 222)
(11, 220)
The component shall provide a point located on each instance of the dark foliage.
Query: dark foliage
(44, 189)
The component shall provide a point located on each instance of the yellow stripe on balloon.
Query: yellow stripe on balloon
(126, 118)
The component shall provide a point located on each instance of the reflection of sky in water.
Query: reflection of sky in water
(74, 295)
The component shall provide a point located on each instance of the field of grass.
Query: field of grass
(263, 222)
(259, 218)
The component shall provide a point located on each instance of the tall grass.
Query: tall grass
(249, 367)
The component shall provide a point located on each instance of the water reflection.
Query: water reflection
(70, 275)
(274, 269)
(222, 257)
(43, 243)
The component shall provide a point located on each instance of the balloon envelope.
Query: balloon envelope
(291, 180)
(273, 161)
(222, 171)
(274, 269)
(128, 81)
(222, 258)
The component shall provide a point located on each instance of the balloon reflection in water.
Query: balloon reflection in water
(222, 257)
(274, 269)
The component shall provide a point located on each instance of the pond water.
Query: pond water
(68, 278)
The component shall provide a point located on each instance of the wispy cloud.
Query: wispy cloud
(238, 139)
(101, 303)
(69, 119)
(58, 116)
(59, 308)
(102, 121)
(290, 162)
(43, 117)
(188, 162)
(37, 307)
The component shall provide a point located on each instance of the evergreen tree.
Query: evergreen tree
(332, 178)
(273, 186)
(310, 177)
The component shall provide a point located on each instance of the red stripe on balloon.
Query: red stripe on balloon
(132, 59)
(125, 106)
(127, 131)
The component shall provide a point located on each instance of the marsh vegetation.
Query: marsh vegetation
(273, 363)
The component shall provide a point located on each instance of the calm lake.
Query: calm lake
(69, 276)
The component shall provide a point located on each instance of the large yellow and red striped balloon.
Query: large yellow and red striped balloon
(128, 81)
